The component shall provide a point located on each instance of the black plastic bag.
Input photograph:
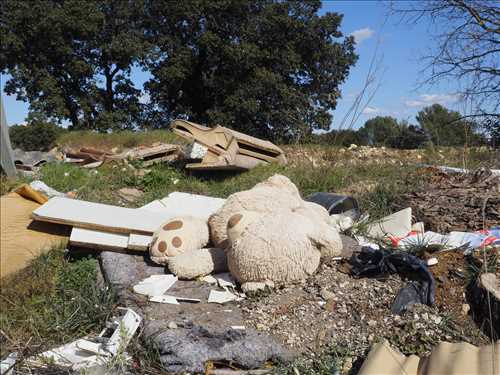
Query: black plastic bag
(379, 263)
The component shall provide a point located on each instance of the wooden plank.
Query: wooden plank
(98, 216)
(139, 242)
(98, 240)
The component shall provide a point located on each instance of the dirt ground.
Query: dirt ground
(333, 309)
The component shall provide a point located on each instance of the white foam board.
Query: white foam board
(98, 216)
(98, 239)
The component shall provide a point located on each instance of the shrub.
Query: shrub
(39, 136)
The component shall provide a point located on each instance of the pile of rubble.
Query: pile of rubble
(264, 276)
(456, 202)
(217, 148)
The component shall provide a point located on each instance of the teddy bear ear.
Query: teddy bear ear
(234, 220)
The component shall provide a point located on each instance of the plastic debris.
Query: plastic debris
(87, 353)
(376, 263)
(155, 285)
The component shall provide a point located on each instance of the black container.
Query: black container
(335, 203)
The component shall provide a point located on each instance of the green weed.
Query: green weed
(330, 362)
(53, 301)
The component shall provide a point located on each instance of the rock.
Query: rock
(326, 294)
(184, 350)
(432, 261)
(172, 325)
(465, 308)
(130, 194)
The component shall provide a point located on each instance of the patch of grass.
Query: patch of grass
(8, 184)
(53, 301)
(331, 361)
(121, 140)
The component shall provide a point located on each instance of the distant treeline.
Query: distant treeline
(436, 125)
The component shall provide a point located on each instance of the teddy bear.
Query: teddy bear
(283, 247)
(177, 236)
(264, 234)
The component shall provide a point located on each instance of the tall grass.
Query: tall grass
(119, 140)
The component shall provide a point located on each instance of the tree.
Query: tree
(380, 131)
(446, 128)
(467, 50)
(268, 68)
(38, 134)
(71, 59)
(410, 136)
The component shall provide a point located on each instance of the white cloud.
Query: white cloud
(429, 99)
(371, 110)
(362, 34)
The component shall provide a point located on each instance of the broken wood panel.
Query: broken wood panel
(98, 216)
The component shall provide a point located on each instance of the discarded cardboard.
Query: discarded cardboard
(28, 192)
(445, 358)
(22, 239)
(155, 154)
(227, 149)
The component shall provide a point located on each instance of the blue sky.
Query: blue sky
(399, 47)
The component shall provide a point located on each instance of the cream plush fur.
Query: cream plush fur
(268, 232)
(192, 264)
(283, 246)
(177, 236)
(272, 195)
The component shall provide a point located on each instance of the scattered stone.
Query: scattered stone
(432, 261)
(326, 294)
(130, 194)
(465, 308)
(172, 325)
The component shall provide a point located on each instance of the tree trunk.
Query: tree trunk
(109, 94)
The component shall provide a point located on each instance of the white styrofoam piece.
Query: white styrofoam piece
(398, 225)
(68, 355)
(221, 297)
(83, 353)
(97, 216)
(184, 204)
(7, 364)
(93, 238)
(124, 332)
(165, 299)
(225, 280)
(196, 151)
(139, 242)
(155, 285)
